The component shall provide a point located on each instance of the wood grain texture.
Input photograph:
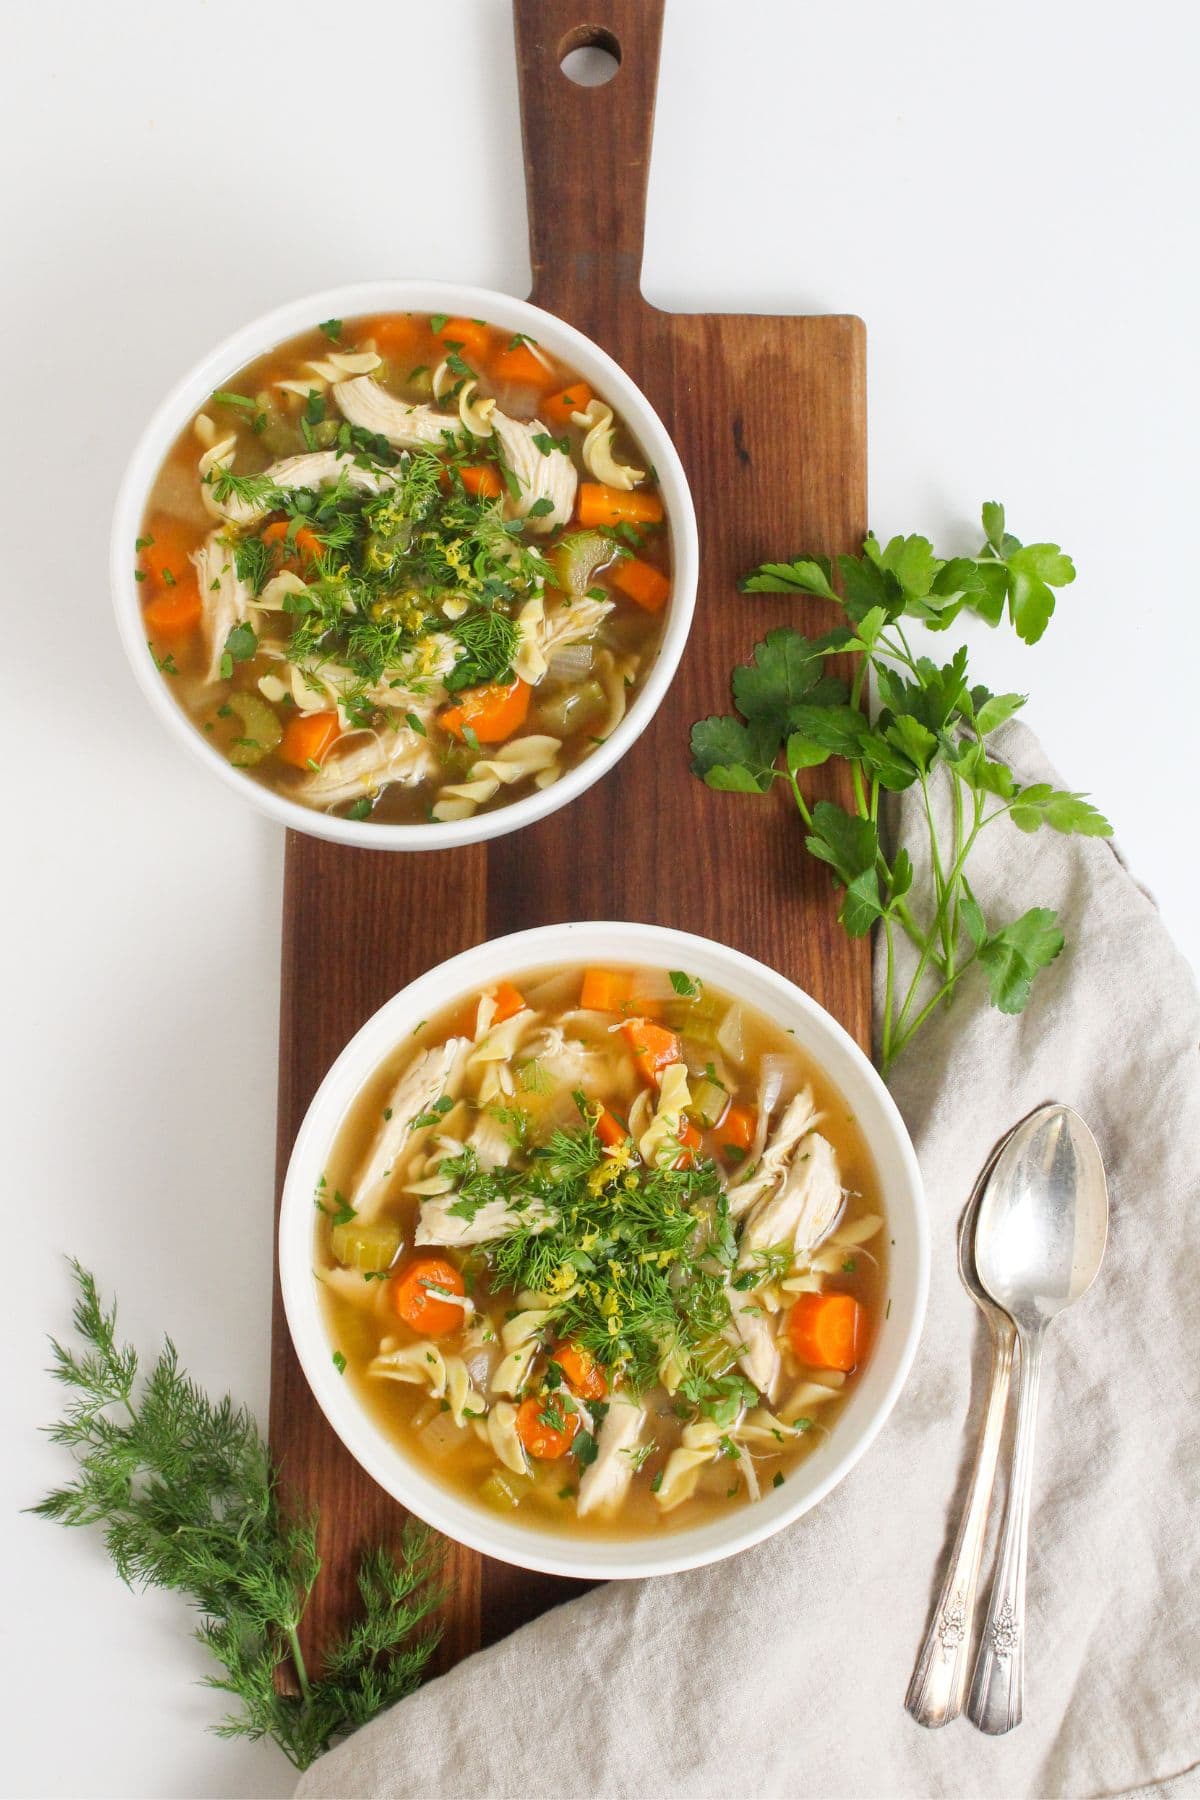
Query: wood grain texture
(768, 414)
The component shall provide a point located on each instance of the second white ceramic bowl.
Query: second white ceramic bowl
(873, 1394)
(607, 378)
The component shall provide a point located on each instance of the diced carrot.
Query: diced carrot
(559, 407)
(826, 1331)
(470, 337)
(509, 1000)
(605, 990)
(175, 612)
(540, 1436)
(307, 737)
(482, 480)
(416, 1300)
(737, 1128)
(395, 334)
(601, 505)
(165, 559)
(642, 582)
(581, 1370)
(611, 1129)
(654, 1047)
(305, 545)
(689, 1143)
(493, 712)
(519, 363)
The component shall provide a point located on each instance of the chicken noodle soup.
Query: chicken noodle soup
(601, 1248)
(404, 568)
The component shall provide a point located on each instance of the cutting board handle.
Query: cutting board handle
(587, 149)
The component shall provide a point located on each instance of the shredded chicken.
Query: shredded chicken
(751, 1328)
(539, 477)
(226, 599)
(798, 1115)
(312, 470)
(806, 1207)
(363, 402)
(439, 1224)
(605, 1482)
(435, 1072)
(363, 762)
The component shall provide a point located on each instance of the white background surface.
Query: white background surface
(1005, 196)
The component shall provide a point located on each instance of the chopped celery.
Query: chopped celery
(504, 1490)
(280, 436)
(362, 1245)
(261, 731)
(579, 557)
(709, 1102)
(571, 708)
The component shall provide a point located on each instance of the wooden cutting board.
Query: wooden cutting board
(769, 418)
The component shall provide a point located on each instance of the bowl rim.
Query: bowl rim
(464, 1521)
(348, 301)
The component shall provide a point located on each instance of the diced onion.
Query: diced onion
(731, 1038)
(571, 663)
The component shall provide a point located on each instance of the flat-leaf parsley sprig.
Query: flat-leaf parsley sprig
(186, 1495)
(794, 716)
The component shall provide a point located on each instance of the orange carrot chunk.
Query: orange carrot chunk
(558, 408)
(654, 1047)
(520, 363)
(689, 1143)
(482, 480)
(605, 990)
(601, 505)
(470, 337)
(737, 1128)
(642, 582)
(417, 1301)
(611, 1128)
(307, 737)
(395, 334)
(538, 1430)
(582, 1371)
(509, 1000)
(165, 559)
(493, 712)
(175, 612)
(304, 545)
(826, 1331)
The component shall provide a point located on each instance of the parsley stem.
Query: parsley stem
(941, 994)
(799, 799)
(885, 1048)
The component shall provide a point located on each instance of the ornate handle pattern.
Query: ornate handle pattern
(998, 1688)
(939, 1679)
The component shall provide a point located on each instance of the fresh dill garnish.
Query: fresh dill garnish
(184, 1489)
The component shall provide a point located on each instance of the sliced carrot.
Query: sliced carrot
(519, 363)
(416, 1300)
(689, 1143)
(307, 737)
(166, 557)
(482, 480)
(605, 990)
(492, 712)
(737, 1128)
(581, 1370)
(611, 1128)
(470, 337)
(559, 407)
(601, 505)
(654, 1047)
(509, 1000)
(826, 1331)
(175, 612)
(395, 334)
(304, 545)
(642, 582)
(539, 1434)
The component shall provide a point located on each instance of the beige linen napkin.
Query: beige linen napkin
(782, 1672)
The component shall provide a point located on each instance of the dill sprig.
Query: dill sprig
(188, 1500)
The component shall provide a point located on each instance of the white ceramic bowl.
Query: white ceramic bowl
(872, 1396)
(605, 376)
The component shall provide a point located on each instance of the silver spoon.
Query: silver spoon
(1039, 1241)
(939, 1679)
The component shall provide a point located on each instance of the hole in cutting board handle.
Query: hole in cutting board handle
(589, 56)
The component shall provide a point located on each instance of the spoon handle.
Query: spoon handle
(998, 1687)
(939, 1679)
